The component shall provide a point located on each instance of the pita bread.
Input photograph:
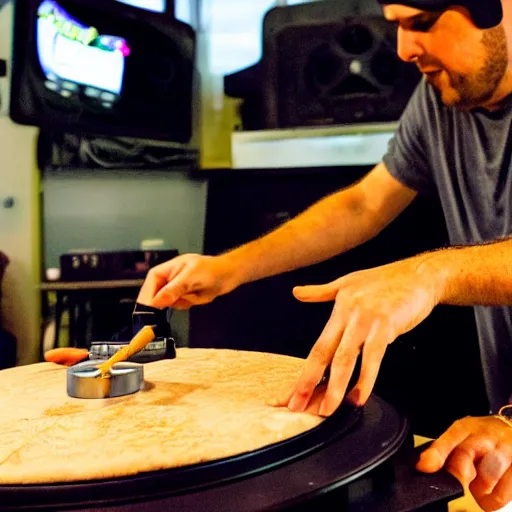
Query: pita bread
(202, 406)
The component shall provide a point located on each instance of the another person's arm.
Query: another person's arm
(478, 452)
(334, 225)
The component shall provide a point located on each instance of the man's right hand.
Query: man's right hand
(187, 280)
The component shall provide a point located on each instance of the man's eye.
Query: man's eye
(423, 26)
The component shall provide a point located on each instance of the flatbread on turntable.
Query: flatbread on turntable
(202, 406)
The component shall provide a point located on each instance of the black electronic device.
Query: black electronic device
(108, 265)
(324, 63)
(105, 68)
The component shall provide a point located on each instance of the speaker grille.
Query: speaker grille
(325, 63)
(342, 72)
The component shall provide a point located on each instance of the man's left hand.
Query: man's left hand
(371, 309)
(478, 452)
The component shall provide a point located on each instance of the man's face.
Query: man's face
(465, 64)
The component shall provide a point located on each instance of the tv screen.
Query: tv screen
(102, 68)
(77, 58)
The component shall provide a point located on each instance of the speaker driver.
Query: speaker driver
(322, 70)
(385, 67)
(356, 39)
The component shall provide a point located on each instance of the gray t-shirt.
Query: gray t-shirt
(465, 159)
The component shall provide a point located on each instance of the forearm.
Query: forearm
(329, 227)
(473, 275)
(332, 226)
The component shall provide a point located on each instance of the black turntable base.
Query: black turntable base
(356, 461)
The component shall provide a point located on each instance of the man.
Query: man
(454, 140)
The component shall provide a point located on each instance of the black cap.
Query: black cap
(485, 13)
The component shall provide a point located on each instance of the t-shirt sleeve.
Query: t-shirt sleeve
(407, 156)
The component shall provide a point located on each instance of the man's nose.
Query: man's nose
(408, 46)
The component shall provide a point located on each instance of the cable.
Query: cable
(109, 155)
(157, 143)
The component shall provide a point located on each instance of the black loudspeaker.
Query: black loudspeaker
(323, 66)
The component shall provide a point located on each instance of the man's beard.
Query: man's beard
(471, 91)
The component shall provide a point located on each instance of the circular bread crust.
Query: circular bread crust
(205, 405)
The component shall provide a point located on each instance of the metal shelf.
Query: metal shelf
(347, 145)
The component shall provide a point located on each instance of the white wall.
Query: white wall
(19, 226)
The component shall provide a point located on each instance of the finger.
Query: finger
(175, 269)
(374, 350)
(461, 464)
(318, 360)
(313, 405)
(316, 400)
(434, 457)
(317, 293)
(490, 470)
(155, 280)
(174, 290)
(343, 364)
(282, 399)
(66, 356)
(500, 497)
(182, 305)
(197, 299)
(284, 396)
(189, 300)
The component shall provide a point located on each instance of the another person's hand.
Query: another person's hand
(371, 309)
(478, 452)
(187, 280)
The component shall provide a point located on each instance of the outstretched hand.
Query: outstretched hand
(478, 452)
(371, 309)
(185, 281)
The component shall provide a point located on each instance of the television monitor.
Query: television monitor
(104, 68)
